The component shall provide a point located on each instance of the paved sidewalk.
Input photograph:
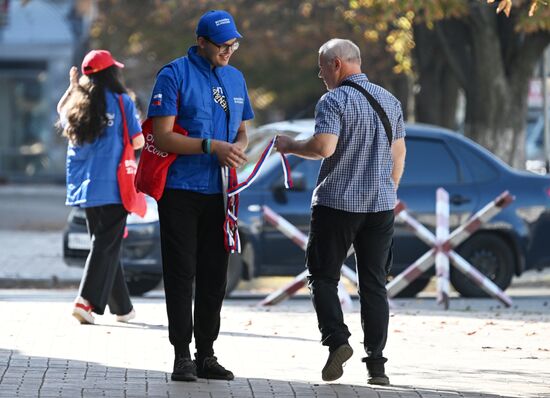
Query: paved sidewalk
(475, 349)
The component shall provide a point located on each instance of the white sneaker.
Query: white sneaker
(82, 311)
(125, 318)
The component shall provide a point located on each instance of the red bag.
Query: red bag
(132, 200)
(154, 163)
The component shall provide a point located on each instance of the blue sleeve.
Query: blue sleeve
(132, 117)
(328, 116)
(399, 126)
(248, 113)
(164, 98)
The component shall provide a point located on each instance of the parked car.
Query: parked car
(534, 141)
(513, 241)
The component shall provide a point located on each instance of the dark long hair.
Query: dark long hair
(86, 108)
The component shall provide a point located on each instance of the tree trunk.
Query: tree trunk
(493, 63)
(489, 113)
(497, 90)
(437, 92)
(398, 85)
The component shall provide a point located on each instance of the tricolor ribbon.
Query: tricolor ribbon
(232, 188)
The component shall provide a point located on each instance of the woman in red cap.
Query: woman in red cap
(92, 120)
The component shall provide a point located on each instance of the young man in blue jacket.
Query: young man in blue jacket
(206, 96)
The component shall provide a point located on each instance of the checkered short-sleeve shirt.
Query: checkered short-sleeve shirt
(357, 177)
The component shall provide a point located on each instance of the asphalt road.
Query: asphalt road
(33, 207)
(33, 216)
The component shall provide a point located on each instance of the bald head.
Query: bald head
(345, 50)
(338, 59)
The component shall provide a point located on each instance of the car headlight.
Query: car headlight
(151, 215)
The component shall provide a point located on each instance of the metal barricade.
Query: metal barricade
(442, 249)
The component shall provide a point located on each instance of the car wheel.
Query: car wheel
(414, 287)
(492, 256)
(140, 286)
(234, 272)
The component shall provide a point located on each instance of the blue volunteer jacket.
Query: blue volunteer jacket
(92, 168)
(189, 88)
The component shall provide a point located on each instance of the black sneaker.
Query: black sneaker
(211, 369)
(381, 380)
(377, 373)
(333, 369)
(184, 369)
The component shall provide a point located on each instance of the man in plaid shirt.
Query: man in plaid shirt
(352, 203)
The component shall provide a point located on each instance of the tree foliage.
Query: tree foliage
(442, 46)
(470, 46)
(278, 54)
(392, 21)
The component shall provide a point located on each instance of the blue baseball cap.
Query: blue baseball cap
(218, 26)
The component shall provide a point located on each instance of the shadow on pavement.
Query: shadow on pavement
(266, 336)
(24, 376)
(132, 325)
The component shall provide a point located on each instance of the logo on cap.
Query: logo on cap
(222, 21)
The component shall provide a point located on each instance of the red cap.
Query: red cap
(97, 60)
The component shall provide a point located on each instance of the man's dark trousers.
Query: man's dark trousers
(332, 233)
(192, 241)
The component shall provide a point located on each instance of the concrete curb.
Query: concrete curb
(53, 283)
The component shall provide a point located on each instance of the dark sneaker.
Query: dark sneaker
(382, 380)
(211, 369)
(184, 369)
(377, 373)
(333, 369)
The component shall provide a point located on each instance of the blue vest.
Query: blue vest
(92, 167)
(192, 77)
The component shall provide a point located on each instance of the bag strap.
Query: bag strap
(376, 106)
(125, 138)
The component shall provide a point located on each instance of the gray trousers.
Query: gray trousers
(103, 279)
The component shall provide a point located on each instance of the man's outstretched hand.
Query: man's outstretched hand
(284, 144)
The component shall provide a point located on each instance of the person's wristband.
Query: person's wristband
(205, 145)
(208, 146)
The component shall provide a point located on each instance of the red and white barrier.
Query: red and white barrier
(345, 299)
(446, 247)
(286, 291)
(442, 271)
(294, 234)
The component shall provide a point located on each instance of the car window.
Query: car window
(309, 169)
(258, 140)
(271, 162)
(429, 162)
(534, 138)
(480, 168)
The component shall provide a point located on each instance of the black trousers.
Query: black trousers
(103, 279)
(332, 233)
(192, 241)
